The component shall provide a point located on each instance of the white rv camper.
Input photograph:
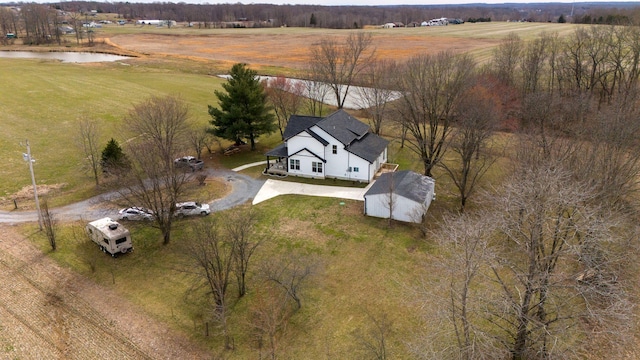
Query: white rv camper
(111, 237)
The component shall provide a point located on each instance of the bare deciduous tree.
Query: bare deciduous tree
(476, 121)
(338, 64)
(554, 251)
(49, 223)
(8, 24)
(466, 240)
(286, 97)
(377, 91)
(607, 159)
(292, 273)
(315, 91)
(372, 341)
(431, 87)
(213, 260)
(199, 140)
(506, 58)
(241, 233)
(153, 181)
(88, 138)
(270, 315)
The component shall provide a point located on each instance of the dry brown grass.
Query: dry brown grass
(289, 47)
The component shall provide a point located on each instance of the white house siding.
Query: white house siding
(306, 165)
(338, 164)
(363, 169)
(404, 209)
(304, 141)
(306, 157)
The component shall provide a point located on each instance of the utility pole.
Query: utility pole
(27, 157)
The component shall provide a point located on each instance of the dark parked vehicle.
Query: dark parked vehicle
(189, 162)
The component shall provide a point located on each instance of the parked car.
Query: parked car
(189, 162)
(191, 208)
(135, 213)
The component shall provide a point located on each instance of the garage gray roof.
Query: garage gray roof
(405, 183)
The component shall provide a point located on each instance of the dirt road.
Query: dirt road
(48, 312)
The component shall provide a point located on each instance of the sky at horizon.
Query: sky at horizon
(360, 2)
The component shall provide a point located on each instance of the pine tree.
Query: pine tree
(243, 110)
(113, 159)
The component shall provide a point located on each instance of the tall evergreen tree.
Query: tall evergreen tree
(113, 159)
(243, 111)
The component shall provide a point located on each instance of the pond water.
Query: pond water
(69, 57)
(355, 99)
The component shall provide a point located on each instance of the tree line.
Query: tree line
(339, 17)
(542, 268)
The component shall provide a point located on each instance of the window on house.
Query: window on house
(356, 169)
(316, 167)
(335, 149)
(294, 164)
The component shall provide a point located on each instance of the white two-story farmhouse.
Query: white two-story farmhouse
(337, 146)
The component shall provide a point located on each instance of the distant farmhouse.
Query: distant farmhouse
(433, 22)
(338, 146)
(157, 22)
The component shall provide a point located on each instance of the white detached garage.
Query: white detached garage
(403, 196)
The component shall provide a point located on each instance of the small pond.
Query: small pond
(69, 57)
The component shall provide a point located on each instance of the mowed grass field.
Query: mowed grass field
(44, 101)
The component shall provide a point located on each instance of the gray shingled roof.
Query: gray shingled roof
(351, 132)
(369, 147)
(344, 127)
(298, 124)
(404, 183)
(279, 151)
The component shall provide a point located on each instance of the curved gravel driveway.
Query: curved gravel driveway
(244, 189)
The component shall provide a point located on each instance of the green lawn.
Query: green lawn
(364, 268)
(43, 101)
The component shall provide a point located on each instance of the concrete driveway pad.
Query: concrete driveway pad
(273, 188)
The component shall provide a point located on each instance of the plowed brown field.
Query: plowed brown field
(282, 50)
(48, 312)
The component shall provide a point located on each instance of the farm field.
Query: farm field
(282, 49)
(50, 312)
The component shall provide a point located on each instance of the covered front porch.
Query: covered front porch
(277, 161)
